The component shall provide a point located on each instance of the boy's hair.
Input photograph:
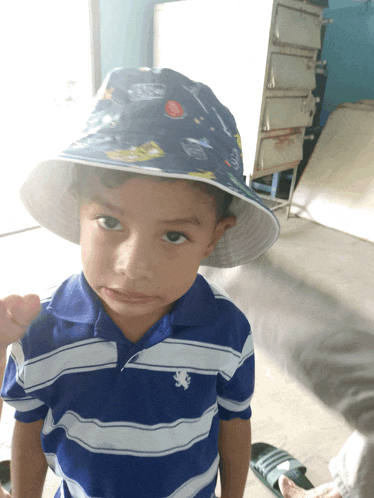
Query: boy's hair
(112, 178)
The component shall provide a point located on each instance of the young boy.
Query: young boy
(135, 380)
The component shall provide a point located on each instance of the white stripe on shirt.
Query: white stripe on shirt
(190, 488)
(82, 356)
(193, 356)
(19, 359)
(24, 404)
(128, 438)
(247, 351)
(234, 406)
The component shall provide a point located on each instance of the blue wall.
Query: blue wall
(126, 33)
(349, 50)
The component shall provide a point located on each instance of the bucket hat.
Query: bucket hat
(156, 122)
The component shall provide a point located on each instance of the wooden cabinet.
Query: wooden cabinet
(260, 60)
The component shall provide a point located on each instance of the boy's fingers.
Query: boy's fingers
(16, 313)
(22, 310)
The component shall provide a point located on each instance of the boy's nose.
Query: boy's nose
(135, 258)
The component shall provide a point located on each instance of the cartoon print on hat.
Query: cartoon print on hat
(174, 109)
(146, 91)
(142, 153)
(194, 150)
(239, 140)
(243, 187)
(235, 159)
(159, 122)
(225, 129)
(194, 90)
(204, 174)
(107, 94)
(203, 142)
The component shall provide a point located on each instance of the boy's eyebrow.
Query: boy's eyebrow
(102, 202)
(194, 220)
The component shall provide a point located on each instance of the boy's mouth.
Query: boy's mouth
(125, 296)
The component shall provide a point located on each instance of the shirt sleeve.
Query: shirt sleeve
(235, 391)
(28, 408)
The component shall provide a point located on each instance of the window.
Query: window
(45, 82)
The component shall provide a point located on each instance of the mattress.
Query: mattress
(336, 188)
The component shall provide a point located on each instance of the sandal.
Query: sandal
(269, 463)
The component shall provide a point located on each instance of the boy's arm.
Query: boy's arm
(3, 493)
(28, 464)
(234, 446)
(16, 313)
(2, 370)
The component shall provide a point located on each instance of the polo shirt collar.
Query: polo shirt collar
(75, 301)
(197, 307)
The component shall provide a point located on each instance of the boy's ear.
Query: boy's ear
(223, 225)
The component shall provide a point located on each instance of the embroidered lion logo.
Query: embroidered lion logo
(182, 379)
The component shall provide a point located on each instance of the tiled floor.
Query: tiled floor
(284, 413)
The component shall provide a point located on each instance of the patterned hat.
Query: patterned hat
(157, 122)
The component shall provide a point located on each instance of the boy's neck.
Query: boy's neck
(134, 328)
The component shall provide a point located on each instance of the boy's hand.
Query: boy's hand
(16, 313)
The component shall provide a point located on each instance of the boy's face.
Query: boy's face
(142, 243)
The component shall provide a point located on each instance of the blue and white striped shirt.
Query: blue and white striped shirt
(133, 420)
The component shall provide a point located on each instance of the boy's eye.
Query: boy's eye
(174, 237)
(109, 223)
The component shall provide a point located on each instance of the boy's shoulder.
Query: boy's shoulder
(218, 292)
(51, 296)
(222, 300)
(221, 305)
(207, 315)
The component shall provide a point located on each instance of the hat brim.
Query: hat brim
(48, 199)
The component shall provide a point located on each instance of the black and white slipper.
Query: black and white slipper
(269, 463)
